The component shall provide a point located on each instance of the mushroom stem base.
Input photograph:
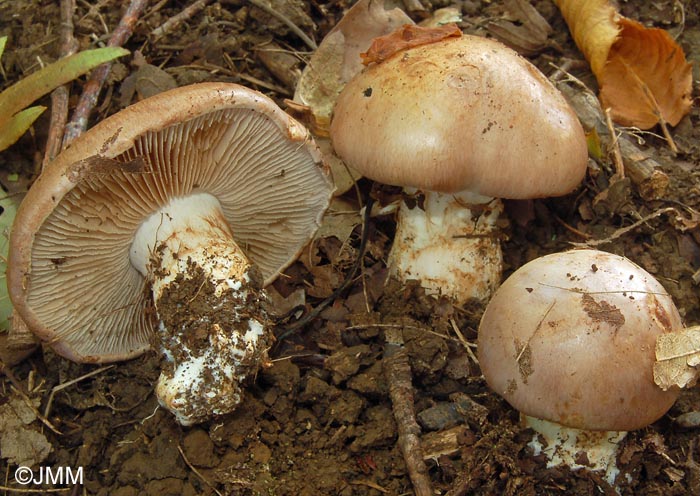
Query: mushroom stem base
(450, 243)
(212, 328)
(577, 448)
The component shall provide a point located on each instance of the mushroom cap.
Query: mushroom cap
(464, 113)
(570, 338)
(69, 275)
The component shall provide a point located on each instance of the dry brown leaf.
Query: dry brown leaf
(677, 358)
(337, 58)
(642, 72)
(407, 36)
(340, 220)
(332, 65)
(523, 28)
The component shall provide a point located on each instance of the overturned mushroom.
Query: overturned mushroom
(569, 341)
(466, 121)
(159, 227)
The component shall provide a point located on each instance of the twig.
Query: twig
(59, 96)
(287, 21)
(28, 491)
(397, 372)
(178, 19)
(615, 146)
(368, 483)
(88, 99)
(20, 390)
(667, 135)
(64, 385)
(622, 231)
(197, 473)
(467, 345)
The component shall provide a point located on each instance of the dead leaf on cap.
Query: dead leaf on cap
(642, 72)
(406, 37)
(677, 358)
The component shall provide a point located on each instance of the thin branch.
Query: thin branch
(91, 91)
(397, 372)
(59, 96)
(64, 385)
(35, 491)
(287, 21)
(197, 472)
(20, 390)
(178, 19)
(622, 231)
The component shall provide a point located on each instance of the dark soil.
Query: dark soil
(319, 419)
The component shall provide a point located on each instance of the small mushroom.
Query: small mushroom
(159, 228)
(466, 121)
(569, 341)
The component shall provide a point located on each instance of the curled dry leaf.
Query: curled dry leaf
(677, 358)
(405, 37)
(642, 72)
(523, 28)
(332, 65)
(337, 58)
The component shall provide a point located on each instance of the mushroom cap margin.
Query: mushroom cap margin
(114, 138)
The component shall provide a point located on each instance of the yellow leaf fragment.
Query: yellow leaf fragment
(642, 72)
(594, 26)
(677, 358)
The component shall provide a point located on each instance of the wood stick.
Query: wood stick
(59, 96)
(178, 19)
(88, 99)
(397, 372)
(287, 21)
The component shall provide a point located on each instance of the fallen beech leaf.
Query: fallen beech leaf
(337, 58)
(677, 358)
(332, 65)
(642, 72)
(407, 36)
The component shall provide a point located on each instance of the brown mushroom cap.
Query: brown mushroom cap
(570, 338)
(70, 277)
(463, 113)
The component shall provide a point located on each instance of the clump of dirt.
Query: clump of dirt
(319, 420)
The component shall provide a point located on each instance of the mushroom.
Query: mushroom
(466, 121)
(159, 227)
(569, 341)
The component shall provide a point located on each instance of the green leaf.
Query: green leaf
(13, 129)
(3, 41)
(24, 92)
(9, 210)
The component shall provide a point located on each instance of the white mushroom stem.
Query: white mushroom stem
(577, 448)
(212, 329)
(450, 244)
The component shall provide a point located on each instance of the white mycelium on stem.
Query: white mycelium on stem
(212, 329)
(449, 243)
